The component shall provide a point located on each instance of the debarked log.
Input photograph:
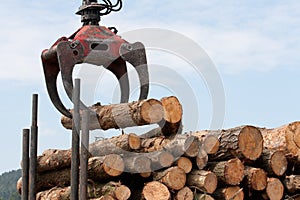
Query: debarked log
(123, 115)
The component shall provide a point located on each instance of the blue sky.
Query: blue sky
(254, 45)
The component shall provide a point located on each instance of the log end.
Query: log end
(234, 193)
(172, 109)
(279, 163)
(251, 142)
(258, 180)
(184, 194)
(152, 111)
(234, 172)
(201, 159)
(122, 193)
(134, 141)
(210, 183)
(185, 164)
(175, 179)
(113, 165)
(211, 144)
(275, 189)
(156, 191)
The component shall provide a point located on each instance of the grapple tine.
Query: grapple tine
(135, 54)
(119, 69)
(51, 71)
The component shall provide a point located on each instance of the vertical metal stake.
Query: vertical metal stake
(25, 164)
(33, 149)
(75, 142)
(84, 154)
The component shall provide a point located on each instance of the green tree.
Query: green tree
(8, 183)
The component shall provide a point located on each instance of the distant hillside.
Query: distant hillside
(8, 182)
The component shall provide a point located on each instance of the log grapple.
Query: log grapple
(97, 45)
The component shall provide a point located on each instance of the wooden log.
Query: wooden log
(200, 196)
(160, 159)
(112, 190)
(210, 141)
(244, 142)
(155, 191)
(53, 159)
(274, 162)
(275, 189)
(184, 194)
(134, 141)
(205, 181)
(137, 163)
(124, 115)
(100, 169)
(285, 138)
(256, 178)
(228, 172)
(292, 183)
(171, 123)
(229, 193)
(185, 164)
(201, 159)
(174, 178)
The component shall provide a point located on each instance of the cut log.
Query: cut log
(160, 159)
(205, 181)
(199, 196)
(156, 191)
(137, 164)
(229, 193)
(274, 189)
(174, 178)
(244, 142)
(201, 159)
(184, 194)
(112, 190)
(124, 115)
(53, 159)
(100, 169)
(134, 141)
(171, 123)
(185, 164)
(228, 172)
(292, 183)
(285, 138)
(274, 162)
(210, 141)
(256, 178)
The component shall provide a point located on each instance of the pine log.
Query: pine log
(275, 189)
(174, 178)
(137, 163)
(285, 138)
(53, 159)
(228, 172)
(201, 159)
(199, 196)
(292, 183)
(171, 123)
(229, 193)
(184, 194)
(124, 115)
(95, 190)
(100, 169)
(274, 162)
(205, 181)
(210, 141)
(244, 142)
(185, 164)
(155, 191)
(256, 178)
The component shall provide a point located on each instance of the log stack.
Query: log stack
(245, 162)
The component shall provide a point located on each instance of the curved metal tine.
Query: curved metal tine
(51, 71)
(119, 69)
(135, 54)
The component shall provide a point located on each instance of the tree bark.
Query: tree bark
(256, 178)
(228, 172)
(292, 183)
(174, 178)
(124, 115)
(184, 194)
(155, 191)
(244, 142)
(274, 189)
(204, 181)
(229, 193)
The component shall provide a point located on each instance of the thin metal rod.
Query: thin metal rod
(33, 149)
(25, 164)
(84, 154)
(75, 142)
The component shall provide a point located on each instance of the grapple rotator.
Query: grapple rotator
(98, 45)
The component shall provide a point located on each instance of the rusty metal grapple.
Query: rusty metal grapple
(97, 45)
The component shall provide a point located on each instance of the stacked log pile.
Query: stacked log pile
(241, 163)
